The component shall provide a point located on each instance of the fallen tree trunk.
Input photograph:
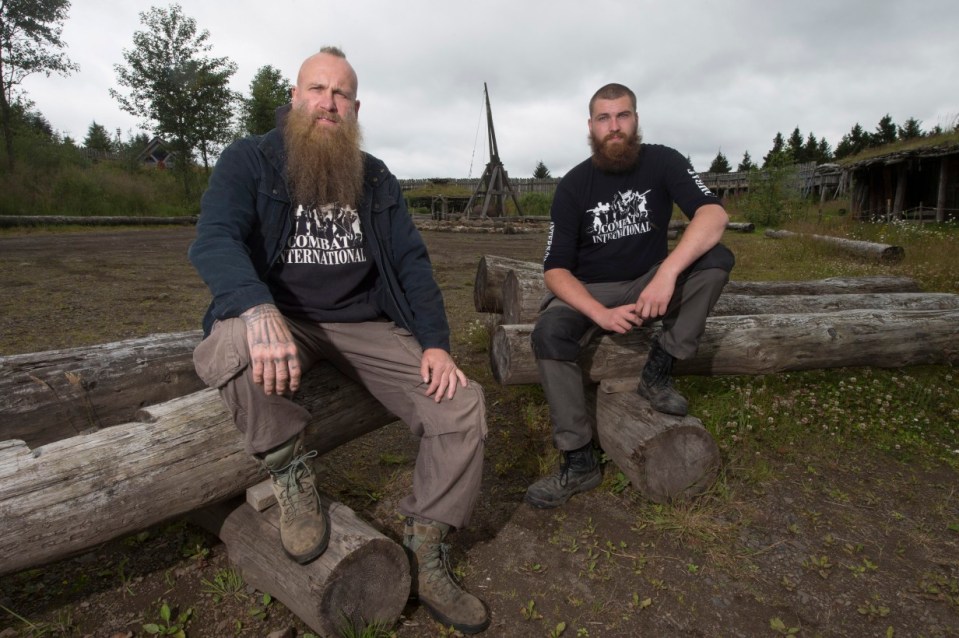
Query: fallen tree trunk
(759, 344)
(523, 297)
(871, 250)
(48, 396)
(68, 496)
(828, 286)
(362, 578)
(522, 288)
(666, 458)
(9, 221)
(491, 274)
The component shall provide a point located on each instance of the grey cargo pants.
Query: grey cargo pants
(561, 333)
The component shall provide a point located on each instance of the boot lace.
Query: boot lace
(438, 566)
(293, 493)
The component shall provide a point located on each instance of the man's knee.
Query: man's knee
(557, 334)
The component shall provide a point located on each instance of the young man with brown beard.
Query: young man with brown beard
(308, 249)
(608, 268)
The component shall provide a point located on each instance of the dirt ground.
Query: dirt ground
(845, 545)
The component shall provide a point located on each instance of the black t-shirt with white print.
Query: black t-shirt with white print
(324, 272)
(612, 226)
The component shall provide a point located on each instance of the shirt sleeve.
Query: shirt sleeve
(684, 184)
(563, 239)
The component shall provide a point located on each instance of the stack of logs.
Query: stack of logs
(83, 461)
(755, 328)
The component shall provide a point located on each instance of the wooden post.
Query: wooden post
(901, 175)
(941, 194)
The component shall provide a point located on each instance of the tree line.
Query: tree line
(167, 78)
(798, 149)
(182, 94)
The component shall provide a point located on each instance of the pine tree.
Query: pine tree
(746, 164)
(98, 139)
(910, 130)
(779, 145)
(720, 164)
(886, 132)
(541, 172)
(794, 147)
(853, 142)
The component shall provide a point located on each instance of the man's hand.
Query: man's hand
(437, 369)
(272, 350)
(620, 319)
(655, 297)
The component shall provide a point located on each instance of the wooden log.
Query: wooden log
(742, 227)
(9, 221)
(828, 286)
(868, 249)
(362, 578)
(491, 274)
(523, 295)
(48, 396)
(759, 344)
(65, 497)
(666, 458)
(737, 304)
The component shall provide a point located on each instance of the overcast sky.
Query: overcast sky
(709, 75)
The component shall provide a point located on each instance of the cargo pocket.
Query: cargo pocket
(223, 355)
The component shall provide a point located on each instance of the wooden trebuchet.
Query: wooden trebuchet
(667, 458)
(868, 249)
(48, 396)
(490, 276)
(523, 296)
(68, 496)
(363, 577)
(759, 344)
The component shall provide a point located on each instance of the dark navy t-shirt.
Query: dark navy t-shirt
(612, 226)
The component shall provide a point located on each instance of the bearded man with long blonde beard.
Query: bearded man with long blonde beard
(310, 254)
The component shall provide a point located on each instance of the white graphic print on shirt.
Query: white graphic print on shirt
(625, 216)
(330, 236)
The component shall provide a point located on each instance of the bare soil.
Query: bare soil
(837, 544)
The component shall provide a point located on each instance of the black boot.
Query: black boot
(578, 472)
(656, 385)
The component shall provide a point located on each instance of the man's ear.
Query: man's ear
(356, 108)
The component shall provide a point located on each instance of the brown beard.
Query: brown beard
(323, 166)
(618, 158)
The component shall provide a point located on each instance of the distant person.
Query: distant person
(350, 282)
(608, 268)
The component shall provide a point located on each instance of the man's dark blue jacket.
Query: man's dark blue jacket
(246, 219)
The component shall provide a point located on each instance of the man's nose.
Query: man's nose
(327, 102)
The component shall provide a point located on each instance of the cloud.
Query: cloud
(709, 75)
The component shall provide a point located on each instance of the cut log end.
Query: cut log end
(666, 458)
(679, 463)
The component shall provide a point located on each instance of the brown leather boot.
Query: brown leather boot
(304, 525)
(433, 583)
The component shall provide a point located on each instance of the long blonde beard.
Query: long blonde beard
(323, 166)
